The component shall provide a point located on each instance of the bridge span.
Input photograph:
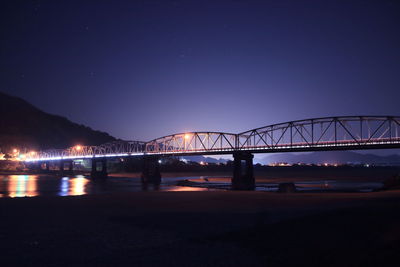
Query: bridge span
(317, 134)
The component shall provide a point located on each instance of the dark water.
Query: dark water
(302, 186)
(328, 186)
(36, 185)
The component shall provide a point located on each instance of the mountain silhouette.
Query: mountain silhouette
(24, 126)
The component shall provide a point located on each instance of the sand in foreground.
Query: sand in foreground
(202, 229)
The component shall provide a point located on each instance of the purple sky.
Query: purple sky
(143, 69)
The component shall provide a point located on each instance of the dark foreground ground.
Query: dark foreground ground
(202, 229)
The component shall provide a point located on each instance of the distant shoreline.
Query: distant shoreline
(267, 174)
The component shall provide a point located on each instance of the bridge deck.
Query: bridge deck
(319, 134)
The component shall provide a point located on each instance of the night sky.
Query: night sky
(143, 69)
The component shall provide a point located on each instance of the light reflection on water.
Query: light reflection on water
(47, 185)
(21, 186)
(35, 185)
(73, 186)
(188, 188)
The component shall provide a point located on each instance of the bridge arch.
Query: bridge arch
(323, 133)
(192, 142)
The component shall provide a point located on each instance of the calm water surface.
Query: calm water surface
(45, 185)
(38, 185)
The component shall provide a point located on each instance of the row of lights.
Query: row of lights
(32, 153)
(77, 148)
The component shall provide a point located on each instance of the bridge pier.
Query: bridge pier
(43, 167)
(47, 166)
(70, 167)
(243, 176)
(99, 172)
(151, 171)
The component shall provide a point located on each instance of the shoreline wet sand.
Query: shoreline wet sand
(220, 228)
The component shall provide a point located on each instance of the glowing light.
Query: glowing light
(15, 150)
(77, 185)
(64, 187)
(78, 147)
(187, 136)
(32, 153)
(32, 186)
(187, 188)
(22, 186)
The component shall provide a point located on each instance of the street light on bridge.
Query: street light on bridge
(185, 137)
(78, 147)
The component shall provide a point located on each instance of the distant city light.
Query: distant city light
(280, 164)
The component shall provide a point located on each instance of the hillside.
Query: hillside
(23, 125)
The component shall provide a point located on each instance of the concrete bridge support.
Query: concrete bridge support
(47, 166)
(243, 176)
(99, 168)
(70, 167)
(42, 167)
(151, 171)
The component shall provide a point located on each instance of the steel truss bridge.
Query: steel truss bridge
(318, 134)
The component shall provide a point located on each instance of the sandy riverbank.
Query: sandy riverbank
(201, 229)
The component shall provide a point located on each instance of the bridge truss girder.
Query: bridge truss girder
(318, 134)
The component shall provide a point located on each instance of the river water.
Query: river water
(46, 185)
